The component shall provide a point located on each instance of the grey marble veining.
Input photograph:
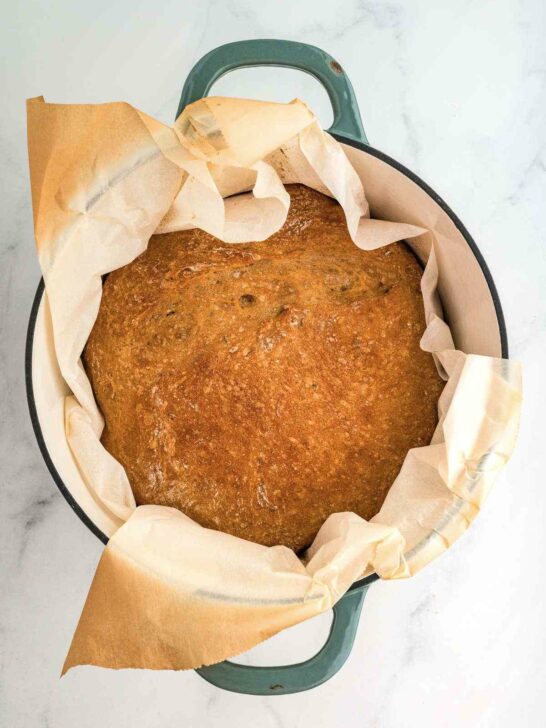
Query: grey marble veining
(456, 91)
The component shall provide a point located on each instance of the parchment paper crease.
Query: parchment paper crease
(168, 593)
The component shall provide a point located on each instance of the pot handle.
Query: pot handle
(287, 679)
(288, 54)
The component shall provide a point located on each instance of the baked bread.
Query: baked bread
(261, 387)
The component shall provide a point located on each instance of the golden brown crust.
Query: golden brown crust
(261, 387)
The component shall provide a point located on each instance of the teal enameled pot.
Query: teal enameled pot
(42, 378)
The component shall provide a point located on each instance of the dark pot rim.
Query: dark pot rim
(40, 290)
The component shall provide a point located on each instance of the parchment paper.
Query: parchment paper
(168, 593)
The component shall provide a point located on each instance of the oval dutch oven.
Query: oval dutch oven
(484, 334)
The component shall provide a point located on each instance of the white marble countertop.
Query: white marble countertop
(454, 90)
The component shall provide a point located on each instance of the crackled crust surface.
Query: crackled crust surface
(261, 387)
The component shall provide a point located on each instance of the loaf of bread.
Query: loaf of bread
(261, 387)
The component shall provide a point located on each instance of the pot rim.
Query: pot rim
(41, 287)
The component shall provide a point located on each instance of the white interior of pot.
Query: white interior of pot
(464, 291)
